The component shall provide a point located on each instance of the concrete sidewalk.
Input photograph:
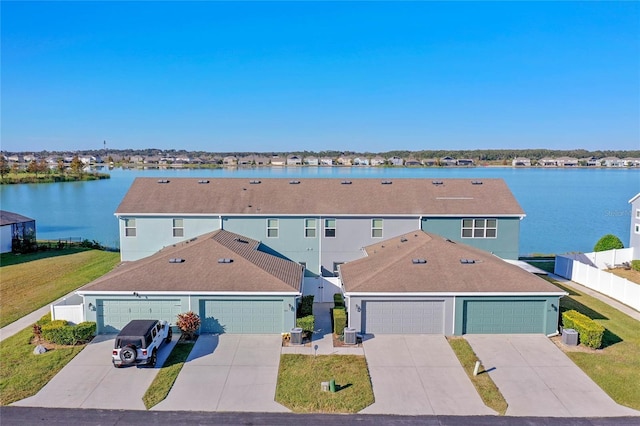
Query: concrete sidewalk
(28, 320)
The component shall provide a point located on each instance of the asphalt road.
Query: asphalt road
(10, 416)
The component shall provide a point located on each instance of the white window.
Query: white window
(479, 228)
(178, 227)
(637, 229)
(376, 228)
(309, 228)
(272, 228)
(330, 228)
(130, 227)
(336, 268)
(637, 213)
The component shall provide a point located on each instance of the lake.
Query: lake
(568, 210)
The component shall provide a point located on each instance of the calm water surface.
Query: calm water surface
(567, 210)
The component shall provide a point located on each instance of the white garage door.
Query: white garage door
(112, 315)
(403, 317)
(242, 316)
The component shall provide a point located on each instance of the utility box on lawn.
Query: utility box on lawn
(570, 337)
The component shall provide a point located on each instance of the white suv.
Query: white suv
(139, 341)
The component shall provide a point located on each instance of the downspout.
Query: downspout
(220, 219)
(420, 223)
(320, 234)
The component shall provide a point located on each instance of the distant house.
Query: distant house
(311, 161)
(412, 162)
(634, 235)
(136, 159)
(631, 162)
(395, 161)
(448, 161)
(246, 160)
(294, 160)
(590, 162)
(612, 162)
(326, 161)
(547, 162)
(230, 161)
(276, 160)
(430, 162)
(15, 159)
(344, 160)
(467, 162)
(360, 161)
(16, 231)
(521, 162)
(567, 162)
(378, 161)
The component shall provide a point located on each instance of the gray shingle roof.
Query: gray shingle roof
(320, 196)
(389, 267)
(9, 218)
(250, 270)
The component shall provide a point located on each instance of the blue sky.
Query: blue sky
(350, 76)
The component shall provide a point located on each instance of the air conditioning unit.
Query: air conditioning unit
(350, 336)
(296, 336)
(570, 337)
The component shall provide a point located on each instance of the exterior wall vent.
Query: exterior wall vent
(225, 260)
(163, 181)
(437, 182)
(176, 260)
(467, 261)
(418, 261)
(203, 181)
(254, 182)
(386, 182)
(476, 182)
(345, 182)
(294, 182)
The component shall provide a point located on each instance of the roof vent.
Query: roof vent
(467, 261)
(346, 182)
(403, 240)
(449, 241)
(225, 260)
(176, 260)
(476, 182)
(203, 181)
(294, 182)
(386, 182)
(240, 240)
(254, 182)
(163, 181)
(437, 182)
(418, 261)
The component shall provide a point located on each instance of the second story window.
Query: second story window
(376, 228)
(479, 228)
(178, 227)
(130, 227)
(330, 228)
(309, 228)
(272, 228)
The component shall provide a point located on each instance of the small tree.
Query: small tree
(608, 242)
(189, 323)
(76, 165)
(4, 166)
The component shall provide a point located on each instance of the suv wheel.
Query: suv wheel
(153, 359)
(128, 354)
(169, 336)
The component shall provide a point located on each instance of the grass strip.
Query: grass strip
(166, 377)
(23, 374)
(487, 389)
(615, 367)
(45, 277)
(300, 378)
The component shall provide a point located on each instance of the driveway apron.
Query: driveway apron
(228, 372)
(537, 379)
(90, 381)
(419, 374)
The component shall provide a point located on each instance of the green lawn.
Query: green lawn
(30, 281)
(300, 376)
(616, 367)
(23, 374)
(487, 389)
(166, 377)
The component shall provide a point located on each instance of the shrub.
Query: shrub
(189, 323)
(590, 332)
(306, 306)
(306, 323)
(635, 265)
(339, 320)
(60, 333)
(338, 300)
(608, 242)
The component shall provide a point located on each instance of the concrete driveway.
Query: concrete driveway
(537, 379)
(419, 374)
(230, 372)
(91, 381)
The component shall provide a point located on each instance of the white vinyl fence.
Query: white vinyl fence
(70, 309)
(585, 269)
